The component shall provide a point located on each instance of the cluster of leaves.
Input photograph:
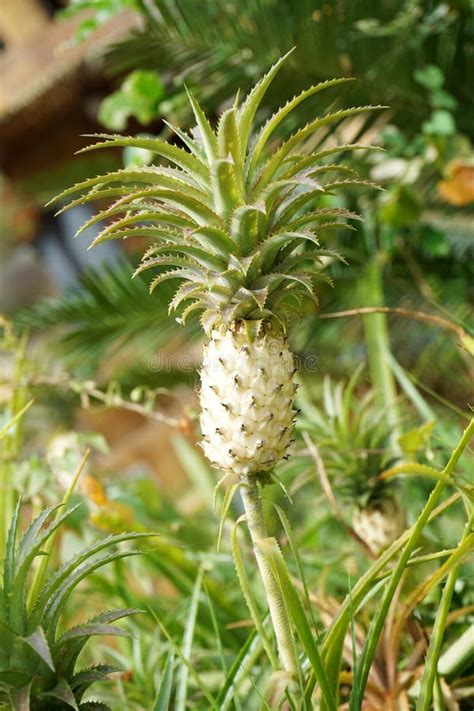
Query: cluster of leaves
(37, 662)
(239, 229)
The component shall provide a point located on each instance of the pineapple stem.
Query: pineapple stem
(258, 531)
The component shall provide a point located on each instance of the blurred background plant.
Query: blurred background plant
(108, 368)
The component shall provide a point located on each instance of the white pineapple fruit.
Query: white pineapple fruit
(237, 225)
(246, 401)
(378, 524)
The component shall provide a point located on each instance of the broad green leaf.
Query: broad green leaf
(138, 96)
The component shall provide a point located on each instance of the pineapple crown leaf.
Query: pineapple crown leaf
(81, 681)
(274, 121)
(300, 162)
(274, 163)
(228, 216)
(29, 547)
(68, 648)
(191, 144)
(252, 102)
(179, 157)
(206, 133)
(63, 692)
(354, 440)
(38, 642)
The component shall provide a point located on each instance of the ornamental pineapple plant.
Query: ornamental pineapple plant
(356, 445)
(238, 228)
(38, 659)
(236, 223)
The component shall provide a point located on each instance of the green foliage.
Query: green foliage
(203, 644)
(98, 13)
(139, 96)
(353, 437)
(106, 310)
(37, 660)
(220, 47)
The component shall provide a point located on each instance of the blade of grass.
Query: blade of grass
(437, 634)
(375, 630)
(353, 633)
(163, 697)
(294, 549)
(410, 390)
(13, 420)
(182, 686)
(220, 648)
(249, 653)
(196, 468)
(363, 591)
(228, 496)
(186, 663)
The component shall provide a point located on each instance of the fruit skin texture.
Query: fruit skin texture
(378, 524)
(246, 396)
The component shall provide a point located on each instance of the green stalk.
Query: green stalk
(378, 621)
(276, 604)
(437, 635)
(378, 342)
